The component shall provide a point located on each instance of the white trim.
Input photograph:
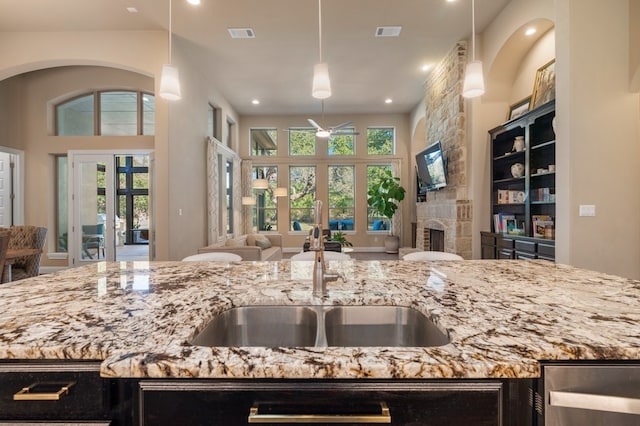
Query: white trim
(57, 256)
(18, 184)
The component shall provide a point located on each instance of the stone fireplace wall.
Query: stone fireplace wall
(448, 209)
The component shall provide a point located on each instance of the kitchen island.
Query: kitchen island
(503, 317)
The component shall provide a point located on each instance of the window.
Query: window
(119, 113)
(375, 222)
(61, 203)
(212, 122)
(76, 117)
(148, 114)
(342, 144)
(230, 130)
(302, 193)
(381, 141)
(302, 141)
(264, 142)
(341, 198)
(229, 196)
(132, 197)
(266, 206)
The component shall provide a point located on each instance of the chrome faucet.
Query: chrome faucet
(316, 244)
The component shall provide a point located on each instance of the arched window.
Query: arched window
(107, 113)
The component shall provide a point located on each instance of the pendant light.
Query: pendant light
(321, 88)
(473, 77)
(260, 184)
(170, 79)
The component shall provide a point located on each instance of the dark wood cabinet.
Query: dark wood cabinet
(523, 186)
(523, 175)
(54, 392)
(404, 402)
(500, 246)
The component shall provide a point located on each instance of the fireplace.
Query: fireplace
(436, 240)
(444, 226)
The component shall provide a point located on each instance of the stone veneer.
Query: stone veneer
(448, 209)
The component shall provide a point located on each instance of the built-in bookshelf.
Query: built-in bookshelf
(523, 179)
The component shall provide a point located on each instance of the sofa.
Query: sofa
(250, 246)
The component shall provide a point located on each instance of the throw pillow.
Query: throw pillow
(263, 243)
(231, 243)
(251, 239)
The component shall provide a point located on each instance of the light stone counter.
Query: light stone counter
(502, 316)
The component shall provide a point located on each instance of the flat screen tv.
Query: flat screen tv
(431, 166)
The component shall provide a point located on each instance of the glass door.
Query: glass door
(94, 221)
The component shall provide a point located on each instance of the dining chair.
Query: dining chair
(23, 237)
(4, 246)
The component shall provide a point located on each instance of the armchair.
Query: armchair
(26, 237)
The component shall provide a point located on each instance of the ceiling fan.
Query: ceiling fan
(339, 130)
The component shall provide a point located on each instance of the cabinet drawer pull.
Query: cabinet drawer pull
(591, 401)
(383, 417)
(43, 392)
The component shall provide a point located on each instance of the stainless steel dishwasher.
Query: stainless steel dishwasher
(583, 394)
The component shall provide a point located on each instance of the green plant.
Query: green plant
(341, 238)
(385, 196)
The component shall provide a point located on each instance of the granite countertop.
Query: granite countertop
(502, 317)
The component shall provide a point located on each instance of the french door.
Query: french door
(92, 207)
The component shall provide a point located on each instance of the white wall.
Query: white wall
(185, 159)
(599, 130)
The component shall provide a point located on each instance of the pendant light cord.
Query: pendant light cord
(319, 28)
(473, 28)
(170, 32)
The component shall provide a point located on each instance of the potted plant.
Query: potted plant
(384, 197)
(341, 238)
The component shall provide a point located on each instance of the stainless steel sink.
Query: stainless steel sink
(268, 326)
(300, 326)
(381, 326)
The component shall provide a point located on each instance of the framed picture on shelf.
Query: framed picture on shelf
(519, 108)
(544, 88)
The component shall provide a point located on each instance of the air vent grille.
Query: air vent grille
(242, 32)
(388, 31)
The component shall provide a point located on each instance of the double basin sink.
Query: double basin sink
(321, 326)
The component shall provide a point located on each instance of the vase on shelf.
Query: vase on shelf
(517, 170)
(518, 144)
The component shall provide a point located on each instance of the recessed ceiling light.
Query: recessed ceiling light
(425, 67)
(530, 31)
(450, 1)
(255, 102)
(132, 10)
(388, 101)
(194, 2)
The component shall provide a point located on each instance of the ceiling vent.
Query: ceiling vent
(241, 32)
(388, 31)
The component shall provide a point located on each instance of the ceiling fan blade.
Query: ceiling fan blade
(341, 125)
(314, 124)
(345, 133)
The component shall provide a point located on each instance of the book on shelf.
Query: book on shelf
(507, 196)
(502, 221)
(543, 226)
